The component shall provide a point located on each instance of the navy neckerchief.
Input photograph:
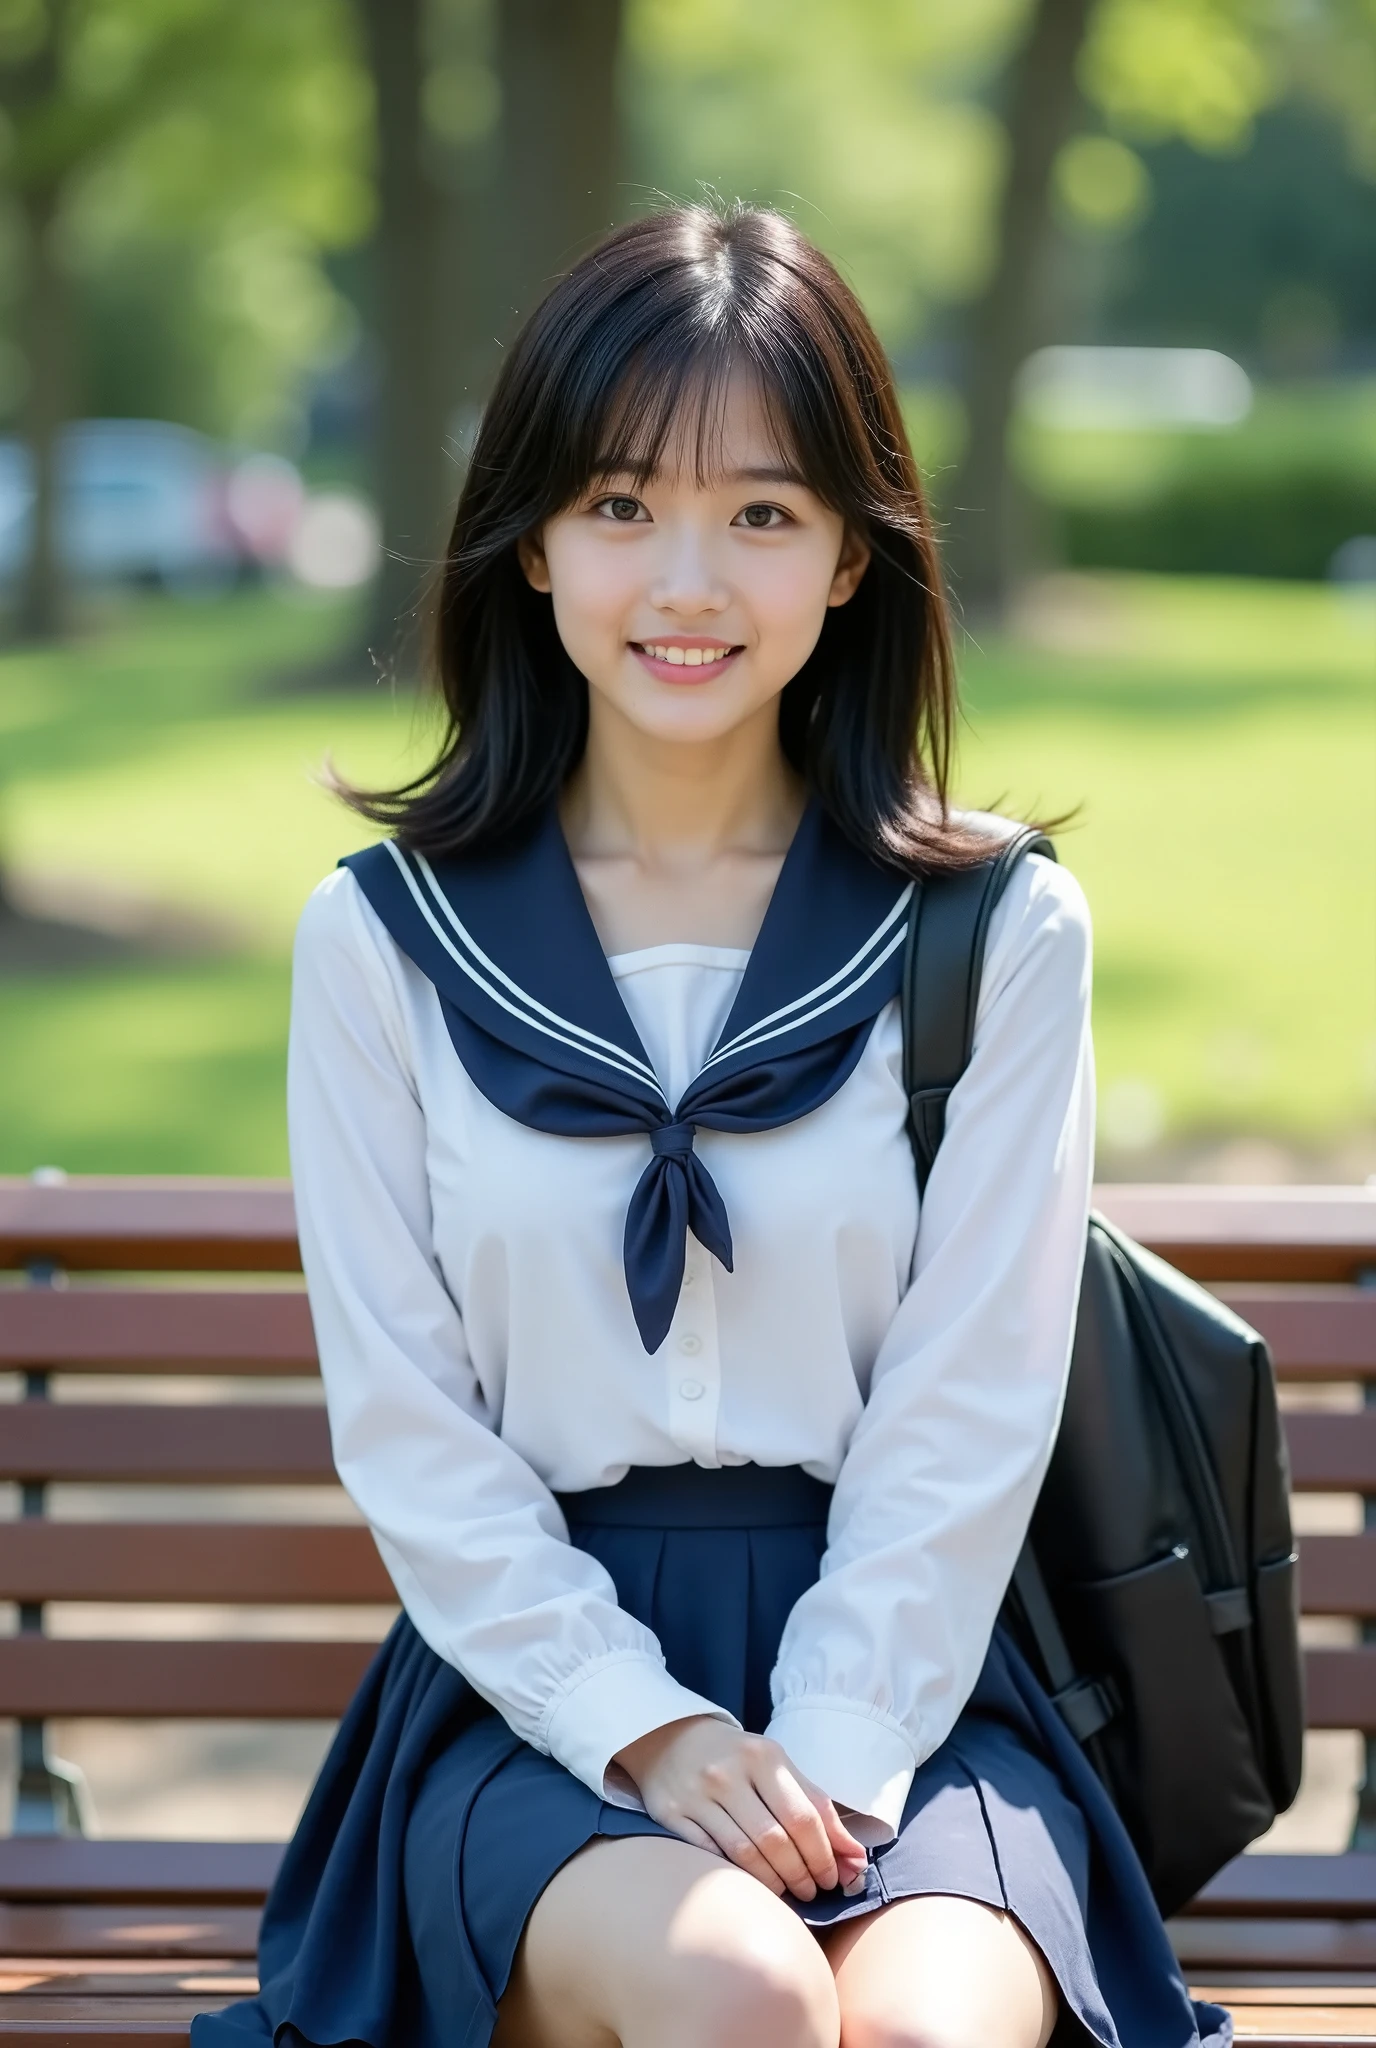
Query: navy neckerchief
(539, 1024)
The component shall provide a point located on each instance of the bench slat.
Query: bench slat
(92, 1224)
(299, 1563)
(29, 2021)
(1288, 1887)
(295, 1681)
(1250, 1233)
(310, 1681)
(1332, 1453)
(1338, 1575)
(145, 1443)
(77, 1930)
(1300, 1233)
(1219, 1945)
(218, 1681)
(166, 1329)
(183, 1876)
(302, 1564)
(1341, 1689)
(1313, 1333)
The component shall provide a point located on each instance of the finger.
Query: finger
(689, 1831)
(798, 1813)
(851, 1855)
(735, 1844)
(773, 1841)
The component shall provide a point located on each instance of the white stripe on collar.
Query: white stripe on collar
(569, 1034)
(757, 1033)
(749, 1040)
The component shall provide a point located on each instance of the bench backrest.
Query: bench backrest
(201, 1281)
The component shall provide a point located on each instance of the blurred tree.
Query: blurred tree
(29, 84)
(1003, 324)
(561, 138)
(194, 123)
(526, 134)
(410, 254)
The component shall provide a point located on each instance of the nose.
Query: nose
(687, 582)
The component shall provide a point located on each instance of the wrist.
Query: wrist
(638, 1758)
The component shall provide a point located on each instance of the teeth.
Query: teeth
(693, 657)
(676, 655)
(687, 657)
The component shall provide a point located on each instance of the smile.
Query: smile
(660, 654)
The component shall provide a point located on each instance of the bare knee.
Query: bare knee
(751, 1978)
(889, 2030)
(942, 1973)
(948, 2021)
(654, 1944)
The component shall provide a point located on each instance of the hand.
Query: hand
(739, 1795)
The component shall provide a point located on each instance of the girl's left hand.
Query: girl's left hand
(719, 1788)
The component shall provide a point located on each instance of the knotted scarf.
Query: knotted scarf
(535, 1015)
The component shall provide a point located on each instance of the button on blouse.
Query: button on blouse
(479, 1350)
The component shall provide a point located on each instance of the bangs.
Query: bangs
(629, 365)
(669, 409)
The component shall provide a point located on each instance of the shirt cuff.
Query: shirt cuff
(866, 1766)
(620, 1700)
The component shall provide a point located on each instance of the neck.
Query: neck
(679, 803)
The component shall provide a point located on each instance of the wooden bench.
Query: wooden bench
(108, 1942)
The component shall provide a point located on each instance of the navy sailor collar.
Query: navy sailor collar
(534, 1012)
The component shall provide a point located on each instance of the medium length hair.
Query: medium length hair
(635, 344)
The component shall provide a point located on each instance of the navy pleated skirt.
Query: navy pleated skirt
(432, 1829)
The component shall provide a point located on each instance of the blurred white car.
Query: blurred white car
(144, 501)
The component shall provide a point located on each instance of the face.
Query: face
(688, 605)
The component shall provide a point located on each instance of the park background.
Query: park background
(305, 229)
(1123, 253)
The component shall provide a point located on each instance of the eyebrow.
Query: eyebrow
(777, 473)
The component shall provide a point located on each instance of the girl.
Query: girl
(699, 1458)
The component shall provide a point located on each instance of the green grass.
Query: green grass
(1221, 740)
(1223, 748)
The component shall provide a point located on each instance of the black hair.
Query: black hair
(653, 320)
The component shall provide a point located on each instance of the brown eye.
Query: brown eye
(622, 509)
(760, 517)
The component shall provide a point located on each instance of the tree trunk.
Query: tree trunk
(47, 408)
(561, 144)
(413, 473)
(1005, 324)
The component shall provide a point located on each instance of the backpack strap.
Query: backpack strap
(948, 927)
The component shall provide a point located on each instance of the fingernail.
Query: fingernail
(853, 1885)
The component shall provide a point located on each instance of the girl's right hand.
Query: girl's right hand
(739, 1795)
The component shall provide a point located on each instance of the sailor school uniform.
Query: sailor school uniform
(662, 1398)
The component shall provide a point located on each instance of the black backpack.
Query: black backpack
(1157, 1593)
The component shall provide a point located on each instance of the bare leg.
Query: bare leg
(647, 1943)
(940, 1972)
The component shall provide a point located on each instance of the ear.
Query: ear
(851, 565)
(530, 553)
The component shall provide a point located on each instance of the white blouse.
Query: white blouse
(479, 1350)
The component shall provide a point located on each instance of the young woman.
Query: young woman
(700, 1457)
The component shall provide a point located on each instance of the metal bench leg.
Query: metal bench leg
(1364, 1821)
(50, 1797)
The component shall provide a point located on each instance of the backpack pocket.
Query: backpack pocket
(1179, 1756)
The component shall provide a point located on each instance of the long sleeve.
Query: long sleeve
(474, 1541)
(938, 1484)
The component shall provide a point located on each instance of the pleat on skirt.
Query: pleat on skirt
(432, 1829)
